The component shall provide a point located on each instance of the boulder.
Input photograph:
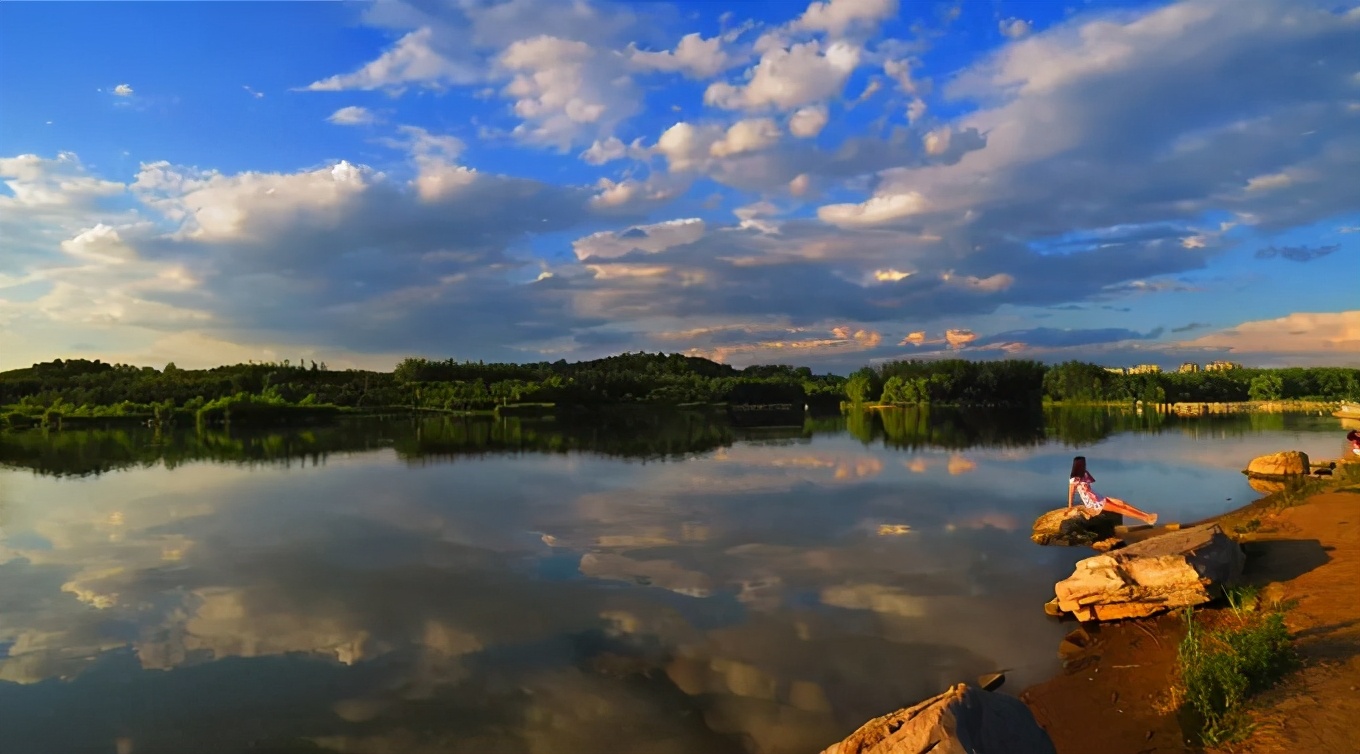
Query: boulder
(1074, 526)
(1290, 463)
(1172, 570)
(962, 720)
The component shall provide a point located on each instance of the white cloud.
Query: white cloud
(1014, 28)
(122, 90)
(789, 77)
(937, 142)
(757, 217)
(694, 56)
(874, 211)
(809, 121)
(354, 115)
(630, 195)
(36, 182)
(746, 136)
(412, 60)
(1269, 182)
(212, 206)
(836, 17)
(1319, 333)
(566, 91)
(647, 238)
(686, 146)
(605, 150)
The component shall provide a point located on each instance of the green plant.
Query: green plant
(1221, 668)
(1242, 598)
(1248, 526)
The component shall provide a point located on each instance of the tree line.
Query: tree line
(73, 390)
(1083, 382)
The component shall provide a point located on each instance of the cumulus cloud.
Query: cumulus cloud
(874, 211)
(746, 136)
(354, 115)
(1123, 148)
(412, 60)
(644, 238)
(565, 90)
(693, 56)
(1014, 27)
(122, 90)
(1327, 336)
(606, 150)
(789, 77)
(836, 17)
(36, 182)
(808, 121)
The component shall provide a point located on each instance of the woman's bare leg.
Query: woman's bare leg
(1119, 506)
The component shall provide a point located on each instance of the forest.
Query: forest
(78, 391)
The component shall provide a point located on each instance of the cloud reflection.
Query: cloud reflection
(738, 601)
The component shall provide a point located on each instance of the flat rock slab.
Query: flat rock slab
(1177, 569)
(962, 720)
(1074, 526)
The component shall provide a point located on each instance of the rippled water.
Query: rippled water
(640, 584)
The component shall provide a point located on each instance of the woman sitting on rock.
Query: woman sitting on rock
(1079, 484)
(1353, 437)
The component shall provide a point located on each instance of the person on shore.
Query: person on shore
(1079, 485)
(1353, 437)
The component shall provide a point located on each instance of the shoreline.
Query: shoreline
(1114, 694)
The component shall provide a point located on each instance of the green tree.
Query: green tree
(1266, 387)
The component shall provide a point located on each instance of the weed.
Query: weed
(1248, 527)
(1221, 668)
(1242, 599)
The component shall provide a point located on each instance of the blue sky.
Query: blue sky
(832, 184)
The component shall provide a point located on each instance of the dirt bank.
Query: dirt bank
(1114, 696)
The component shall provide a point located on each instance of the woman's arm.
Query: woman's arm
(1071, 488)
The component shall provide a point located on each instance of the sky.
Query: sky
(831, 184)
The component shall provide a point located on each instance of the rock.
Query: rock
(1290, 463)
(1074, 526)
(1074, 643)
(962, 720)
(1051, 608)
(1176, 569)
(991, 681)
(1105, 545)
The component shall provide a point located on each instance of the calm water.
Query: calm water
(642, 584)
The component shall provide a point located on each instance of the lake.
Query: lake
(637, 582)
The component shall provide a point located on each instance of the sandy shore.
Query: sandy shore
(1114, 695)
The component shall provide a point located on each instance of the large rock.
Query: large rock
(1177, 569)
(1074, 526)
(1290, 463)
(962, 720)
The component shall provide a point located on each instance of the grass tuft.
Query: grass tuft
(1221, 668)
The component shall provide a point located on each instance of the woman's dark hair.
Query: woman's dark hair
(1078, 468)
(1353, 435)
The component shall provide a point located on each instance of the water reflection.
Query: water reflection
(528, 587)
